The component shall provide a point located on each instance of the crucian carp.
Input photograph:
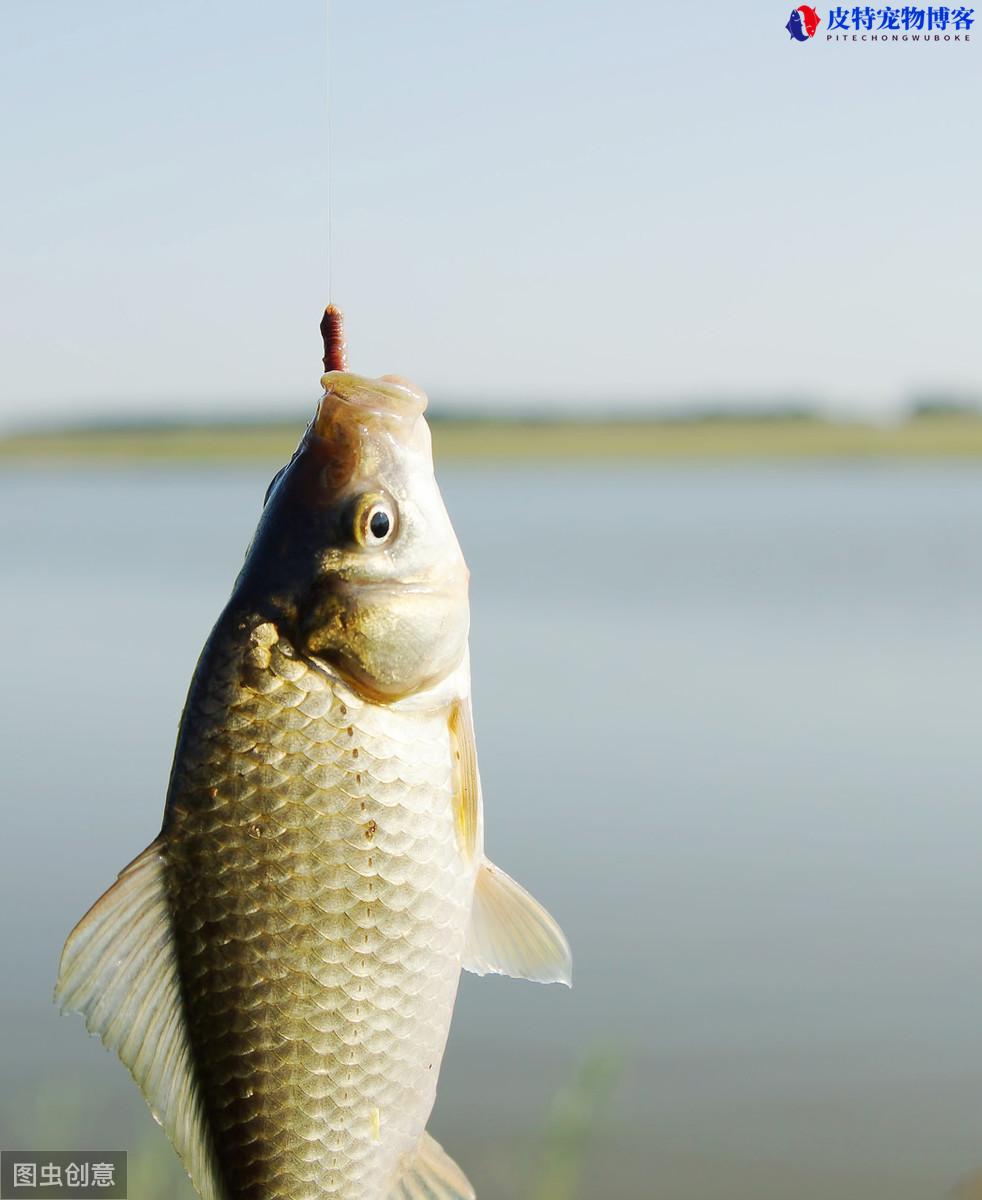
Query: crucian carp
(278, 968)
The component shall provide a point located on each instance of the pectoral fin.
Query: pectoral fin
(510, 933)
(466, 780)
(119, 970)
(431, 1174)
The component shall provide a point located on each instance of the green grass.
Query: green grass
(573, 1123)
(947, 436)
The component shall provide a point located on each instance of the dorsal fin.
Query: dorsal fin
(119, 970)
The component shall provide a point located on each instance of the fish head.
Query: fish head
(355, 551)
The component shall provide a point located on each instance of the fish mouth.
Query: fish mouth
(386, 399)
(362, 424)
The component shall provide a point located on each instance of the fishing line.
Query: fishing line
(332, 323)
(330, 151)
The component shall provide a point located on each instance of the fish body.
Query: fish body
(317, 878)
(279, 968)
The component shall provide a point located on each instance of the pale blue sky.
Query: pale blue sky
(579, 203)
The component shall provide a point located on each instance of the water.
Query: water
(727, 719)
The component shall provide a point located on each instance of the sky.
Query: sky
(574, 205)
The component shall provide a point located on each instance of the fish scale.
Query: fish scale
(320, 951)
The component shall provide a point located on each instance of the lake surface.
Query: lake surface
(728, 719)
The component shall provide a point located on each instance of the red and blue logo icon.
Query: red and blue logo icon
(803, 23)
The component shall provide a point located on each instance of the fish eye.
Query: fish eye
(375, 520)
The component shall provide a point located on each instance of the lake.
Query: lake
(728, 719)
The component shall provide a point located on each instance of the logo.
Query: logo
(63, 1174)
(891, 23)
(802, 23)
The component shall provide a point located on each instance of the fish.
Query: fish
(278, 969)
(810, 19)
(803, 23)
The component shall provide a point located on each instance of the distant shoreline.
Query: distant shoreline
(923, 437)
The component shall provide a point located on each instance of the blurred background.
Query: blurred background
(697, 309)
